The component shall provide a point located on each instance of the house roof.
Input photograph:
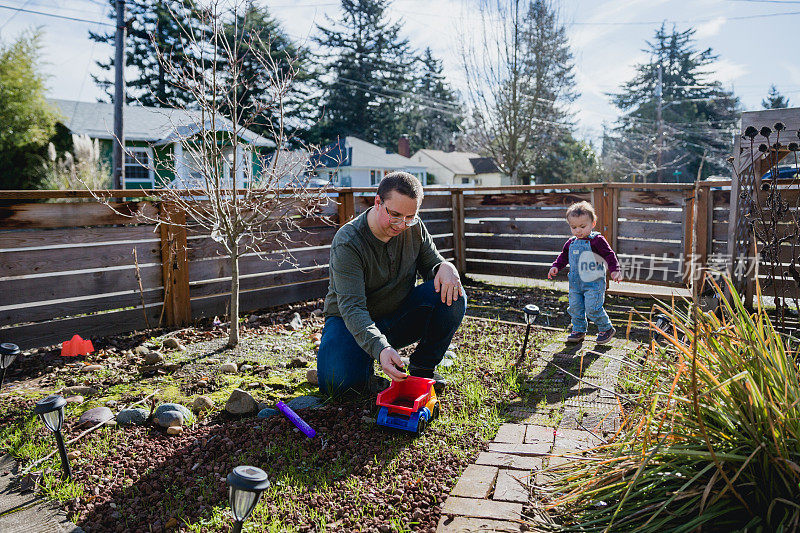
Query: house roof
(152, 124)
(484, 165)
(455, 162)
(366, 154)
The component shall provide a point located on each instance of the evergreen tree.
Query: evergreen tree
(569, 161)
(27, 120)
(368, 75)
(436, 108)
(698, 115)
(263, 51)
(774, 99)
(160, 33)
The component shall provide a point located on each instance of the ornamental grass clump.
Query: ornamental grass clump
(712, 441)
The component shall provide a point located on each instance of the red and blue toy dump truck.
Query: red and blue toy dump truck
(409, 405)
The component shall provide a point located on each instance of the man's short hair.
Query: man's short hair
(581, 208)
(402, 182)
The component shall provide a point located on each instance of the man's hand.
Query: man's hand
(552, 273)
(616, 276)
(447, 283)
(392, 365)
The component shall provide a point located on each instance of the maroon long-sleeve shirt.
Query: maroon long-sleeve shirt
(599, 246)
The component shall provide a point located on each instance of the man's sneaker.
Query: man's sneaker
(576, 336)
(440, 384)
(604, 336)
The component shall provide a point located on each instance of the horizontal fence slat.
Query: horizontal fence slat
(445, 242)
(49, 311)
(441, 227)
(260, 299)
(647, 248)
(651, 215)
(651, 198)
(518, 270)
(86, 257)
(721, 198)
(220, 267)
(33, 216)
(514, 242)
(65, 237)
(88, 327)
(513, 255)
(649, 230)
(269, 279)
(560, 199)
(58, 286)
(519, 227)
(556, 213)
(206, 247)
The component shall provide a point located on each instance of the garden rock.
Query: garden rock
(267, 412)
(202, 403)
(94, 416)
(153, 358)
(296, 322)
(132, 417)
(229, 368)
(253, 318)
(74, 454)
(450, 354)
(245, 368)
(174, 430)
(164, 407)
(74, 399)
(297, 362)
(445, 363)
(171, 343)
(312, 377)
(304, 402)
(78, 390)
(316, 312)
(91, 368)
(240, 403)
(167, 419)
(141, 350)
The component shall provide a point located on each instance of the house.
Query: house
(352, 162)
(460, 168)
(159, 142)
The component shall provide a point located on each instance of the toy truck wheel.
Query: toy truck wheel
(421, 426)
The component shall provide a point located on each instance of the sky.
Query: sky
(755, 41)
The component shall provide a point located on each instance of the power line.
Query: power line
(54, 15)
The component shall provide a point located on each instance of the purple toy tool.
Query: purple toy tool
(296, 420)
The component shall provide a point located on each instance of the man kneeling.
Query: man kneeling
(373, 306)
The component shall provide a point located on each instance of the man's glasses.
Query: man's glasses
(394, 219)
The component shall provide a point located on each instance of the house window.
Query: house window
(138, 165)
(375, 176)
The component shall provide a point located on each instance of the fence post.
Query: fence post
(459, 241)
(605, 201)
(703, 225)
(347, 207)
(688, 237)
(175, 265)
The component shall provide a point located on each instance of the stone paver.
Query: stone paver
(461, 524)
(536, 448)
(509, 461)
(477, 481)
(512, 486)
(539, 434)
(474, 508)
(513, 433)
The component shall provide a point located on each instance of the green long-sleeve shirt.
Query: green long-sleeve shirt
(369, 278)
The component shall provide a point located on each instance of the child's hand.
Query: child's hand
(552, 273)
(616, 276)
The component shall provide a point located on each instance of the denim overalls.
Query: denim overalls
(587, 286)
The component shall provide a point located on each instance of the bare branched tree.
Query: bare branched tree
(247, 191)
(519, 79)
(634, 153)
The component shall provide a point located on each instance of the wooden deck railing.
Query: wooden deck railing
(69, 268)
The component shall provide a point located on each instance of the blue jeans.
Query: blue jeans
(343, 365)
(586, 301)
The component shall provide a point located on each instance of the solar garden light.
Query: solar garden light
(51, 411)
(663, 323)
(531, 312)
(8, 353)
(245, 485)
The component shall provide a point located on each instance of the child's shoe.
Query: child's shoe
(576, 336)
(605, 336)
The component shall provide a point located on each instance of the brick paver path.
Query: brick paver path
(541, 435)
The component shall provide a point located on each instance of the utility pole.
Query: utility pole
(659, 127)
(119, 97)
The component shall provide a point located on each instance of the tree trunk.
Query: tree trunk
(233, 336)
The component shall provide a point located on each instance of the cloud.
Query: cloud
(727, 71)
(710, 28)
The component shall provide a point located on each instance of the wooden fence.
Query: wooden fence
(69, 268)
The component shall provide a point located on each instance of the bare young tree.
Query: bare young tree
(519, 80)
(635, 152)
(225, 185)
